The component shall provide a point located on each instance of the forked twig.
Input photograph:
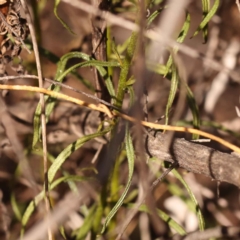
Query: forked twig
(28, 76)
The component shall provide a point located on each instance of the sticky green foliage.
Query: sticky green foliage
(116, 54)
(207, 15)
(125, 70)
(130, 156)
(172, 93)
(122, 47)
(157, 68)
(60, 75)
(153, 16)
(56, 14)
(194, 200)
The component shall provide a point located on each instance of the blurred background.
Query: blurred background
(217, 95)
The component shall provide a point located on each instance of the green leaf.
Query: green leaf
(173, 224)
(172, 93)
(69, 178)
(157, 68)
(62, 231)
(54, 168)
(182, 35)
(60, 75)
(207, 15)
(194, 200)
(130, 81)
(166, 218)
(153, 16)
(194, 109)
(125, 70)
(61, 158)
(62, 22)
(130, 157)
(15, 207)
(82, 232)
(28, 212)
(93, 63)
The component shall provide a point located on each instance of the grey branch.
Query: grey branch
(196, 158)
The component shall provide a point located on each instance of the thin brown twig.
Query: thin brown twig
(27, 76)
(110, 114)
(42, 103)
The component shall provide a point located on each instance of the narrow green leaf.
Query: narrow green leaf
(130, 157)
(33, 204)
(28, 212)
(60, 75)
(15, 207)
(207, 15)
(194, 109)
(157, 68)
(82, 232)
(69, 178)
(61, 158)
(125, 70)
(153, 16)
(165, 217)
(62, 22)
(182, 35)
(92, 63)
(172, 93)
(194, 200)
(173, 224)
(62, 231)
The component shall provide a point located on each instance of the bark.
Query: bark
(196, 158)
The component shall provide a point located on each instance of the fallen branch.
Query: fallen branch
(197, 158)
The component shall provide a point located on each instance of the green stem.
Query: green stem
(125, 70)
(109, 50)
